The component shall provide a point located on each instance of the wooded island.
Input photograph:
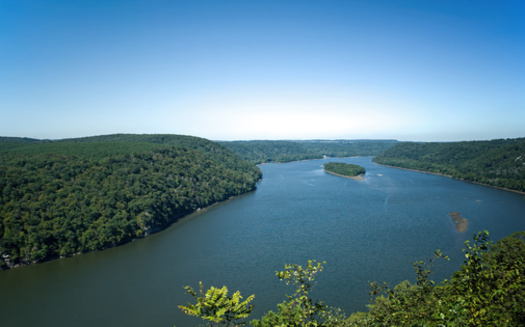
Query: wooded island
(344, 169)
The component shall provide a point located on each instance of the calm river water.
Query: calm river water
(370, 230)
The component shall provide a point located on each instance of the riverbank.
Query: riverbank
(452, 177)
(359, 177)
(302, 160)
(178, 219)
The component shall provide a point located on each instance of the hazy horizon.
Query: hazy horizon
(407, 70)
(250, 140)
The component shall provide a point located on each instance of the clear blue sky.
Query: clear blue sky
(421, 70)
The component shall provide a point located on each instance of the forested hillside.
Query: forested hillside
(70, 196)
(499, 163)
(285, 151)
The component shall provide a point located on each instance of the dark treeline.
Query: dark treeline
(341, 168)
(499, 163)
(71, 196)
(286, 151)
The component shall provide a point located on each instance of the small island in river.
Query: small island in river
(345, 170)
(460, 222)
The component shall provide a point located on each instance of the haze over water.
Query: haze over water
(370, 230)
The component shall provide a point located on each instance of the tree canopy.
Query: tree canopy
(344, 169)
(285, 151)
(64, 197)
(487, 290)
(499, 163)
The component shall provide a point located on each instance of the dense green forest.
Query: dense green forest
(344, 169)
(285, 151)
(499, 163)
(64, 197)
(487, 290)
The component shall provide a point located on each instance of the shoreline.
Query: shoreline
(359, 177)
(450, 176)
(325, 157)
(180, 219)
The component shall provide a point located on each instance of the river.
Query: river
(369, 230)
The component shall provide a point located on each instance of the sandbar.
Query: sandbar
(359, 177)
(460, 222)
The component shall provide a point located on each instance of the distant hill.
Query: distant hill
(5, 139)
(285, 151)
(499, 163)
(78, 195)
